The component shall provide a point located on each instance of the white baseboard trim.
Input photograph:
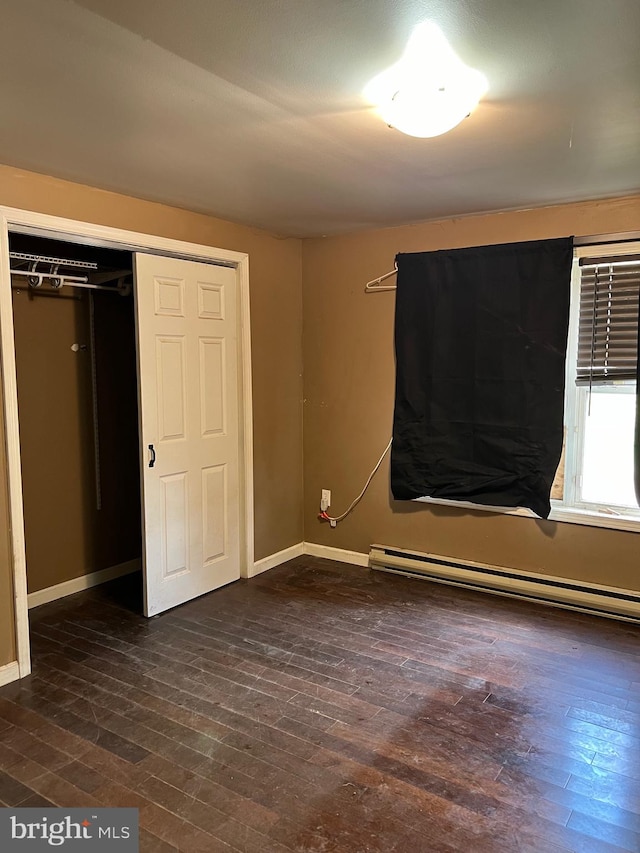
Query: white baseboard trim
(9, 672)
(340, 554)
(356, 558)
(276, 559)
(60, 590)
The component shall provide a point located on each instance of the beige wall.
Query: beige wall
(66, 535)
(349, 387)
(276, 318)
(7, 632)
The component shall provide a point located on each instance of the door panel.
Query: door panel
(214, 498)
(172, 391)
(187, 331)
(212, 386)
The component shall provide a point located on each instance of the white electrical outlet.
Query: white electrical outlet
(325, 499)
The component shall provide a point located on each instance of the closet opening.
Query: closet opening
(76, 365)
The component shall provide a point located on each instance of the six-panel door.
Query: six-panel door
(188, 371)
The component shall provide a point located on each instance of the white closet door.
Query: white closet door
(188, 371)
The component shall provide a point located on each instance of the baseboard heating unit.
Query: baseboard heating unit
(561, 592)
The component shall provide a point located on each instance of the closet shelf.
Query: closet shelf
(35, 277)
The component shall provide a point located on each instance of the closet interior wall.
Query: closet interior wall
(66, 534)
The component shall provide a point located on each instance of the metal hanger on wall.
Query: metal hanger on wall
(374, 285)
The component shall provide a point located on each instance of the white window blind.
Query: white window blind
(608, 326)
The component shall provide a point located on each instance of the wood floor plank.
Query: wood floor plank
(324, 708)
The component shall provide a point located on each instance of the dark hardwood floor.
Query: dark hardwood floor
(324, 707)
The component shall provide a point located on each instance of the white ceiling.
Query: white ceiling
(252, 109)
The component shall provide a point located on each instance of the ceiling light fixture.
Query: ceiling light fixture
(429, 90)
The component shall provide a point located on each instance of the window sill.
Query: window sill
(571, 515)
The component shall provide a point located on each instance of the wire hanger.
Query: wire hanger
(373, 286)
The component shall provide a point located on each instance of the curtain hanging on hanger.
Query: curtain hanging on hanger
(480, 337)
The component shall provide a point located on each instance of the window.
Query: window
(597, 475)
(594, 483)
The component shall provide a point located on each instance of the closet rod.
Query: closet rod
(122, 289)
(40, 276)
(70, 280)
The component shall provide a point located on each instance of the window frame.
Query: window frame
(571, 509)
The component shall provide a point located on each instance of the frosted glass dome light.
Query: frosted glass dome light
(429, 90)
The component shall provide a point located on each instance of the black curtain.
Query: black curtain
(480, 337)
